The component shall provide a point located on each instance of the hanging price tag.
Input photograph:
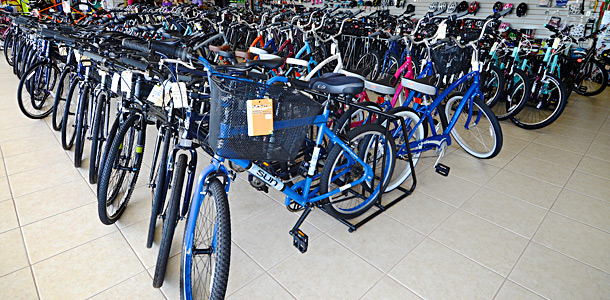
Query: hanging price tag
(126, 81)
(62, 50)
(442, 31)
(114, 87)
(179, 95)
(156, 95)
(556, 43)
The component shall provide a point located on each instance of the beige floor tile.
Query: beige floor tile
(539, 169)
(242, 204)
(329, 265)
(525, 188)
(42, 178)
(56, 199)
(513, 214)
(263, 287)
(171, 285)
(502, 159)
(512, 291)
(559, 141)
(18, 286)
(594, 166)
(21, 146)
(382, 234)
(265, 236)
(321, 220)
(12, 252)
(556, 276)
(138, 209)
(34, 160)
(455, 190)
(581, 123)
(242, 270)
(14, 120)
(137, 234)
(434, 271)
(553, 155)
(576, 240)
(388, 289)
(509, 129)
(86, 269)
(602, 139)
(8, 218)
(584, 209)
(599, 152)
(2, 168)
(137, 287)
(590, 185)
(58, 233)
(470, 168)
(513, 144)
(488, 244)
(12, 134)
(570, 132)
(421, 212)
(5, 190)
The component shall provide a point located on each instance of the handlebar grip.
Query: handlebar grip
(169, 50)
(135, 45)
(94, 56)
(134, 63)
(65, 39)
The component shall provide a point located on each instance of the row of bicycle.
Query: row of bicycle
(106, 81)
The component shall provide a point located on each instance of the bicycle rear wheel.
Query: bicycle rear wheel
(34, 93)
(206, 253)
(121, 169)
(341, 170)
(478, 134)
(595, 79)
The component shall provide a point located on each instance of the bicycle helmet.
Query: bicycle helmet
(507, 6)
(574, 9)
(503, 27)
(497, 7)
(432, 7)
(442, 7)
(452, 7)
(578, 31)
(463, 6)
(410, 8)
(521, 9)
(473, 7)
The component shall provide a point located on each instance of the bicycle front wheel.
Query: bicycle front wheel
(516, 93)
(206, 253)
(81, 125)
(595, 79)
(61, 93)
(479, 132)
(34, 93)
(341, 170)
(546, 103)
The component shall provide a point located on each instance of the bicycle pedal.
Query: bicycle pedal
(442, 169)
(300, 240)
(582, 89)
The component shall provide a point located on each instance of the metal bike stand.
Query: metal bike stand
(378, 203)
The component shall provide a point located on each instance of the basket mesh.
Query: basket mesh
(450, 59)
(293, 114)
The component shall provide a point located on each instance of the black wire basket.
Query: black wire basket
(293, 114)
(450, 59)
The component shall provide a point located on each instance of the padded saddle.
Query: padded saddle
(424, 85)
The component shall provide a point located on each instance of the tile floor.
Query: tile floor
(532, 223)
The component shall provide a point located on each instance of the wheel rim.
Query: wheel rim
(479, 139)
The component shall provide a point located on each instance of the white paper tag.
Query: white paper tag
(102, 73)
(494, 47)
(156, 95)
(63, 51)
(556, 43)
(179, 94)
(126, 81)
(114, 87)
(442, 31)
(77, 56)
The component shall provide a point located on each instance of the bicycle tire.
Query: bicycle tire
(494, 78)
(365, 133)
(159, 190)
(97, 136)
(81, 125)
(534, 105)
(63, 87)
(451, 105)
(211, 283)
(37, 87)
(69, 117)
(356, 113)
(368, 67)
(516, 94)
(601, 75)
(8, 48)
(116, 152)
(171, 220)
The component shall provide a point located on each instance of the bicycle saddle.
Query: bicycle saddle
(424, 85)
(382, 86)
(244, 54)
(266, 63)
(339, 85)
(219, 48)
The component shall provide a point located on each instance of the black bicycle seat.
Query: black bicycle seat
(424, 85)
(271, 63)
(382, 86)
(339, 85)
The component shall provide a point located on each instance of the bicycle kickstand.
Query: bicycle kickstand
(439, 167)
(299, 239)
